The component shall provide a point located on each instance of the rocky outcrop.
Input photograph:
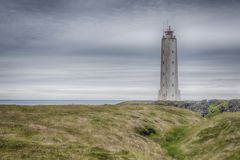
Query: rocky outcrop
(205, 107)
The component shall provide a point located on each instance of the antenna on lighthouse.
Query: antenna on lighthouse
(163, 28)
(167, 23)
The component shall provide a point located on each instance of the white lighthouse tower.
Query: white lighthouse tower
(169, 67)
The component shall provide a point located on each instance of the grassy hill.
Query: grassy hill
(127, 131)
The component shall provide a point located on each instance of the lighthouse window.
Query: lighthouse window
(173, 73)
(172, 62)
(172, 51)
(172, 85)
(163, 62)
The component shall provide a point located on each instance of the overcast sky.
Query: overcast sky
(110, 49)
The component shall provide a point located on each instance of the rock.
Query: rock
(201, 107)
(234, 105)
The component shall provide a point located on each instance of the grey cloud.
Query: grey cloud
(66, 49)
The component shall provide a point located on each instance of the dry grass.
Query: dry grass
(217, 138)
(99, 132)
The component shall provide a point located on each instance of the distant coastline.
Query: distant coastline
(58, 102)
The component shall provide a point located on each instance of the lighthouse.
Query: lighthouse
(169, 67)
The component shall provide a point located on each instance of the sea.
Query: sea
(58, 102)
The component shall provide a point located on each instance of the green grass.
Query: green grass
(171, 140)
(217, 138)
(213, 110)
(216, 107)
(127, 131)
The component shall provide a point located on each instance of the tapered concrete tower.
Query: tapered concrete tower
(169, 67)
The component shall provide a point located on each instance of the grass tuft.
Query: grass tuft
(146, 131)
